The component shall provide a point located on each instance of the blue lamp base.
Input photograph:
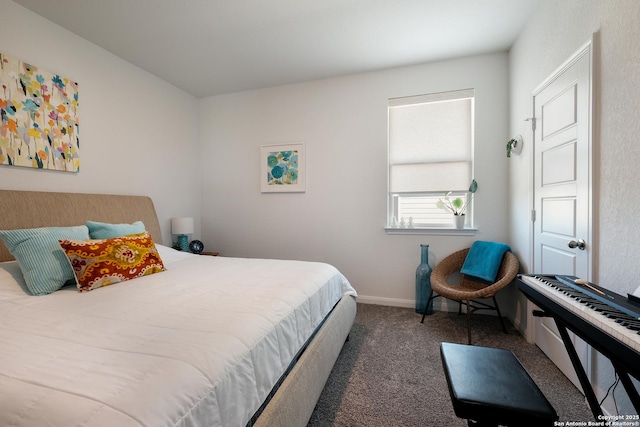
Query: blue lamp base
(183, 242)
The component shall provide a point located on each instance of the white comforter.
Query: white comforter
(200, 344)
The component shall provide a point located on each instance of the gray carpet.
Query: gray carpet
(389, 373)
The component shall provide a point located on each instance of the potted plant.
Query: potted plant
(457, 206)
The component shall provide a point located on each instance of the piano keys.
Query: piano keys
(609, 322)
(605, 309)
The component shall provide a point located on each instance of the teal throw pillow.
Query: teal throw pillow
(44, 265)
(104, 230)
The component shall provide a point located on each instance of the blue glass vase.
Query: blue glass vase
(423, 282)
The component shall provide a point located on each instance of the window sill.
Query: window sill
(433, 231)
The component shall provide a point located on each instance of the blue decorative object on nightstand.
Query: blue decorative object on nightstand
(196, 246)
(183, 242)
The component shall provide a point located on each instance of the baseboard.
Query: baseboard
(520, 326)
(392, 302)
(439, 304)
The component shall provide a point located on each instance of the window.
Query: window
(430, 153)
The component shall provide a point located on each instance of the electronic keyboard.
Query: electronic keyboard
(607, 321)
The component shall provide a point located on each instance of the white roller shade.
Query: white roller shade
(430, 142)
(421, 177)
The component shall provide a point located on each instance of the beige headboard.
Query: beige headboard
(30, 209)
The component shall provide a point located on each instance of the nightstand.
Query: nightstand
(210, 253)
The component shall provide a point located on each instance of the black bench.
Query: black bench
(489, 387)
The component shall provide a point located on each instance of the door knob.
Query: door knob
(580, 244)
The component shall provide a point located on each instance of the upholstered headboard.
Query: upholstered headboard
(31, 209)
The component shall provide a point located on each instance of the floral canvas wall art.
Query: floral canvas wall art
(39, 123)
(283, 168)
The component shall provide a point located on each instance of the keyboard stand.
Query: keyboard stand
(577, 366)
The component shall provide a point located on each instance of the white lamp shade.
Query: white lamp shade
(181, 225)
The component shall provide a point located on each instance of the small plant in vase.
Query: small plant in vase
(458, 206)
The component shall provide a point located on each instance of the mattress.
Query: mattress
(200, 344)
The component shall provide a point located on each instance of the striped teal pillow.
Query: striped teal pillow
(104, 230)
(44, 265)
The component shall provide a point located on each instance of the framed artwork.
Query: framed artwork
(38, 118)
(282, 168)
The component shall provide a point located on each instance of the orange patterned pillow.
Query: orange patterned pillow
(98, 263)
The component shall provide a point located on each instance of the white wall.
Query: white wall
(555, 32)
(341, 217)
(138, 134)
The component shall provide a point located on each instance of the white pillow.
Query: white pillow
(11, 275)
(170, 255)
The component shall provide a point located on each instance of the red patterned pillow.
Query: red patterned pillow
(98, 263)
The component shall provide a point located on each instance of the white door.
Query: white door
(562, 190)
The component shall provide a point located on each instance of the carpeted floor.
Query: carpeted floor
(389, 373)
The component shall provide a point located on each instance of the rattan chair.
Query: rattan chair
(468, 291)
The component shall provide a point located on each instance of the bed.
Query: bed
(207, 341)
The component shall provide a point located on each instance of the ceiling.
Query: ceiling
(210, 47)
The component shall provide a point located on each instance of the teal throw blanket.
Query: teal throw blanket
(484, 259)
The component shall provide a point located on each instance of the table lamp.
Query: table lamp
(182, 227)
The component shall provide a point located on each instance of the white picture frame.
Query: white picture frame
(282, 168)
